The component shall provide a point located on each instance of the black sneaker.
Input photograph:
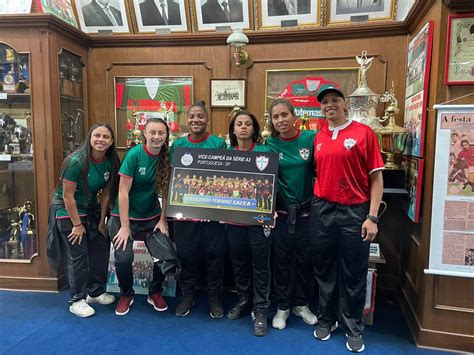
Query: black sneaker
(216, 308)
(355, 343)
(184, 305)
(323, 333)
(259, 324)
(241, 308)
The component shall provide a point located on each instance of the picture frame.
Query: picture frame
(300, 86)
(274, 14)
(139, 98)
(415, 121)
(208, 15)
(419, 61)
(354, 11)
(414, 185)
(16, 6)
(62, 9)
(93, 18)
(228, 92)
(150, 19)
(459, 69)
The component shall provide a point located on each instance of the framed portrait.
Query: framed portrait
(228, 92)
(347, 11)
(152, 15)
(223, 185)
(419, 61)
(102, 15)
(459, 68)
(60, 8)
(211, 14)
(288, 13)
(15, 6)
(138, 99)
(300, 86)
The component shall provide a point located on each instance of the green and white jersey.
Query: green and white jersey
(296, 166)
(255, 148)
(98, 177)
(208, 142)
(140, 165)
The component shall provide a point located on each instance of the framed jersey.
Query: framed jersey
(138, 99)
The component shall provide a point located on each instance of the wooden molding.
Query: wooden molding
(459, 5)
(417, 13)
(45, 284)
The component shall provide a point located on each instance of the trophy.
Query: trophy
(26, 217)
(63, 68)
(267, 128)
(363, 101)
(73, 138)
(392, 138)
(234, 111)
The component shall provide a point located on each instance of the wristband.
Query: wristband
(77, 225)
(374, 219)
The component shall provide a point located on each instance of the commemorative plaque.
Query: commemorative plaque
(223, 185)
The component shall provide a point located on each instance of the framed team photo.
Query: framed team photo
(223, 185)
(288, 13)
(102, 15)
(60, 8)
(353, 11)
(208, 15)
(172, 15)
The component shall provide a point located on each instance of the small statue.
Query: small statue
(365, 63)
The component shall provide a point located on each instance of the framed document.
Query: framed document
(228, 92)
(209, 15)
(459, 68)
(59, 8)
(102, 15)
(172, 15)
(347, 11)
(288, 13)
(15, 6)
(223, 185)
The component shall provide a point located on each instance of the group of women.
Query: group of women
(328, 194)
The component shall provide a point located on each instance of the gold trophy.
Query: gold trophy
(267, 130)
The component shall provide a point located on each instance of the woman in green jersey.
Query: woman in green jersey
(249, 245)
(196, 238)
(144, 172)
(92, 167)
(291, 238)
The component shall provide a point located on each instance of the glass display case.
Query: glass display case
(18, 238)
(71, 100)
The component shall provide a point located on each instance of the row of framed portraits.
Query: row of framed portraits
(148, 16)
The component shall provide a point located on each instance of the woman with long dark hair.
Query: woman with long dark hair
(91, 168)
(291, 238)
(249, 245)
(195, 238)
(144, 173)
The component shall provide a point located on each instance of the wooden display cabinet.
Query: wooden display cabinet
(33, 109)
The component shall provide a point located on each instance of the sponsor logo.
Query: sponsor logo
(262, 162)
(349, 143)
(261, 218)
(304, 153)
(187, 159)
(142, 170)
(107, 175)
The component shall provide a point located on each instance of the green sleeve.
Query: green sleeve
(129, 164)
(73, 171)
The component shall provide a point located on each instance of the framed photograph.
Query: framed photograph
(288, 13)
(414, 184)
(15, 7)
(154, 15)
(139, 98)
(349, 11)
(415, 122)
(300, 86)
(419, 61)
(223, 185)
(459, 68)
(102, 15)
(211, 14)
(228, 92)
(60, 8)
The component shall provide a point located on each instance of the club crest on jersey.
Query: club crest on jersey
(349, 143)
(107, 175)
(262, 162)
(142, 170)
(318, 147)
(304, 153)
(280, 156)
(267, 231)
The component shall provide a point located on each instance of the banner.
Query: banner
(452, 216)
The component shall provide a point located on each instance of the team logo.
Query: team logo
(187, 159)
(107, 175)
(142, 170)
(349, 143)
(262, 162)
(313, 84)
(267, 230)
(318, 147)
(280, 157)
(304, 153)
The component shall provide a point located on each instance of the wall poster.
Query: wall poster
(452, 216)
(414, 184)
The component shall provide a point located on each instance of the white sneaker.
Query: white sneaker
(279, 320)
(81, 309)
(104, 298)
(305, 313)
